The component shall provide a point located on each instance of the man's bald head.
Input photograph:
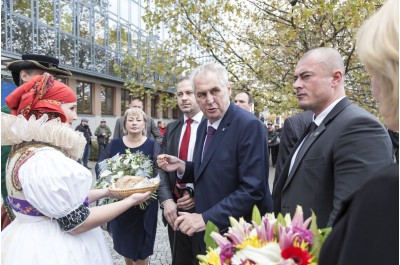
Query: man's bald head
(329, 58)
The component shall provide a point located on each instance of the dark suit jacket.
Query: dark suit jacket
(346, 146)
(151, 129)
(366, 230)
(233, 176)
(170, 145)
(292, 130)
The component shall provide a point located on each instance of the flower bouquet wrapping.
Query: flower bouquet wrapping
(133, 170)
(265, 241)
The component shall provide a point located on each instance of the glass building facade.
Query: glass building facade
(88, 37)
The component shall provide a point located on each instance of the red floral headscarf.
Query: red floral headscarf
(42, 94)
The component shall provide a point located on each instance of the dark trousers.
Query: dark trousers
(274, 153)
(101, 149)
(85, 158)
(185, 253)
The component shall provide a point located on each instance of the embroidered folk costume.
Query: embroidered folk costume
(47, 188)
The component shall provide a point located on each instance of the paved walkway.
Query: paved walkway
(162, 253)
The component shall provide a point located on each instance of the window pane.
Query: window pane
(84, 55)
(66, 16)
(47, 42)
(22, 7)
(100, 27)
(135, 14)
(107, 99)
(112, 60)
(124, 39)
(67, 47)
(154, 102)
(113, 7)
(175, 113)
(125, 98)
(112, 27)
(135, 43)
(22, 35)
(63, 80)
(142, 13)
(84, 22)
(124, 7)
(100, 58)
(84, 97)
(46, 12)
(100, 5)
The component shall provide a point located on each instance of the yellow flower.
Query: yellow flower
(253, 241)
(212, 257)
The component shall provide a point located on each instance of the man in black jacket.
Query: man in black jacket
(84, 128)
(173, 144)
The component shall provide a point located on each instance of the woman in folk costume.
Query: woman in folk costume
(47, 189)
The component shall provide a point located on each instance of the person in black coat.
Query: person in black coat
(293, 129)
(84, 128)
(366, 230)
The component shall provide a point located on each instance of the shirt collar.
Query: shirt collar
(318, 120)
(197, 118)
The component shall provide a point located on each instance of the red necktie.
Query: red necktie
(183, 151)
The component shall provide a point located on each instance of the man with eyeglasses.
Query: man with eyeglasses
(230, 167)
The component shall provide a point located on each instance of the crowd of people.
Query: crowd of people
(334, 159)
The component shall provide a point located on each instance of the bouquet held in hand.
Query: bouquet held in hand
(124, 174)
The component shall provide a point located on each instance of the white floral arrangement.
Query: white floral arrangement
(128, 164)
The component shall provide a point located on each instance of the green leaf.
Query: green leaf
(279, 220)
(256, 216)
(319, 236)
(211, 227)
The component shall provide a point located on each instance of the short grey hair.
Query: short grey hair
(220, 70)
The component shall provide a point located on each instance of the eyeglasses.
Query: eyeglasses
(213, 91)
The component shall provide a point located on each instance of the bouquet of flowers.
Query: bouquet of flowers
(265, 241)
(128, 164)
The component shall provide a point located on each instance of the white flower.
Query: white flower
(105, 173)
(269, 254)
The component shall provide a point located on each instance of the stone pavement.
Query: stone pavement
(162, 253)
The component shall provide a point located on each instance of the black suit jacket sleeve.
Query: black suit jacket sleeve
(366, 230)
(155, 131)
(164, 191)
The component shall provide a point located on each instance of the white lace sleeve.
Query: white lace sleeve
(53, 183)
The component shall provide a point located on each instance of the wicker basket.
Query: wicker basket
(119, 193)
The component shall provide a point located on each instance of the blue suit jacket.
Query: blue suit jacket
(233, 176)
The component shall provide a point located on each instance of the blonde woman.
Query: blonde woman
(366, 231)
(134, 231)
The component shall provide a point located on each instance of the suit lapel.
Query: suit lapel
(303, 150)
(201, 136)
(217, 139)
(341, 105)
(176, 135)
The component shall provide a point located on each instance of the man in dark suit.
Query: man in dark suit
(293, 129)
(330, 163)
(230, 166)
(173, 144)
(151, 127)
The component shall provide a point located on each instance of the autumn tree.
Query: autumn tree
(260, 42)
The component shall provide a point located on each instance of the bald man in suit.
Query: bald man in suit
(342, 144)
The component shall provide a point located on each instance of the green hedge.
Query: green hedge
(94, 149)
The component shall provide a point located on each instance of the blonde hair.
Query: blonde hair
(135, 112)
(378, 50)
